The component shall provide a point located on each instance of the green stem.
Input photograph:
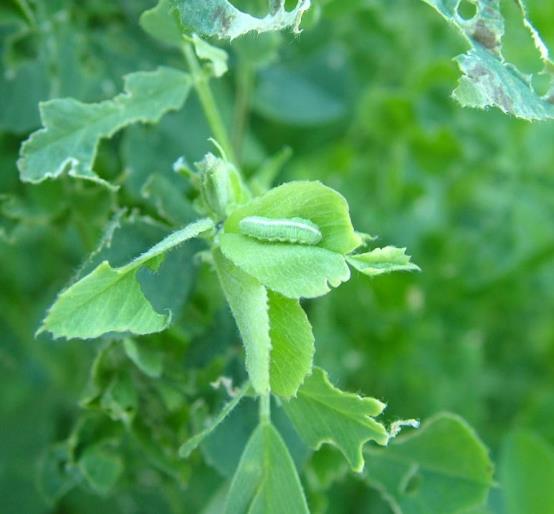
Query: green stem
(209, 105)
(244, 91)
(265, 408)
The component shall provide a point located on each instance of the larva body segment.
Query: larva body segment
(284, 230)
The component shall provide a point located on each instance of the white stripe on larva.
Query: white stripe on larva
(293, 230)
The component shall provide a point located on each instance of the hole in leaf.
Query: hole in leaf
(467, 9)
(518, 46)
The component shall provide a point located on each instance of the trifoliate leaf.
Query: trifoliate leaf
(101, 468)
(295, 271)
(309, 200)
(382, 260)
(148, 360)
(292, 344)
(526, 473)
(441, 468)
(266, 481)
(488, 79)
(72, 130)
(187, 448)
(322, 413)
(162, 23)
(111, 299)
(248, 301)
(221, 19)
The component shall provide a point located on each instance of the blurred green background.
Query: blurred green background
(362, 99)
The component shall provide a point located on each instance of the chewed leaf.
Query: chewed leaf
(72, 130)
(323, 413)
(292, 344)
(442, 467)
(488, 79)
(222, 19)
(111, 299)
(382, 260)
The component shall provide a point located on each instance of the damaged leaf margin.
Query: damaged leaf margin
(219, 18)
(488, 80)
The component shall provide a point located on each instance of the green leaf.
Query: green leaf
(526, 473)
(120, 399)
(266, 481)
(249, 304)
(220, 18)
(382, 260)
(322, 413)
(148, 360)
(441, 468)
(216, 57)
(56, 473)
(292, 345)
(187, 448)
(101, 468)
(295, 271)
(111, 299)
(488, 79)
(162, 24)
(72, 130)
(309, 200)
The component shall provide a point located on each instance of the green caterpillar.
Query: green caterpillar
(284, 230)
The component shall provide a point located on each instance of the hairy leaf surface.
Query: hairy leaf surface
(322, 413)
(295, 271)
(111, 299)
(292, 344)
(248, 301)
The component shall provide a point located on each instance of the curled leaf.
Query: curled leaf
(382, 260)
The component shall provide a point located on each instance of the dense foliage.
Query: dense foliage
(194, 316)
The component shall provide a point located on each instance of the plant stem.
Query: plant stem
(265, 408)
(244, 90)
(209, 105)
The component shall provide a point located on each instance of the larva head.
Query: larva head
(221, 186)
